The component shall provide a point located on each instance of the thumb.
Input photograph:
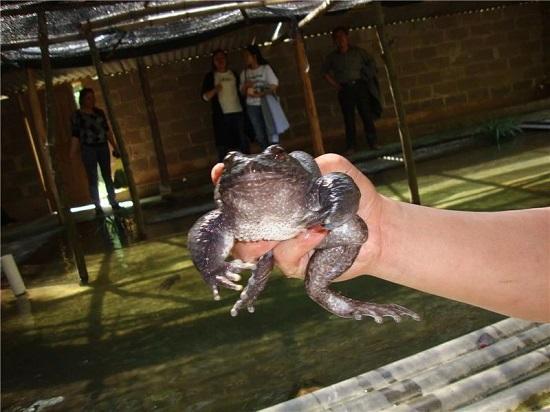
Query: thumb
(292, 256)
(216, 172)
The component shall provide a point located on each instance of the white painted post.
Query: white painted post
(9, 267)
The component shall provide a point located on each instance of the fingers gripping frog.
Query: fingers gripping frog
(275, 195)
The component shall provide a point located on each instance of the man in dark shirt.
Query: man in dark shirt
(353, 73)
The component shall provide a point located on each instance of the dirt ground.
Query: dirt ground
(123, 343)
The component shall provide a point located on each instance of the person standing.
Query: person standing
(353, 73)
(221, 87)
(258, 80)
(91, 132)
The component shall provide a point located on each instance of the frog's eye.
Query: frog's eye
(229, 158)
(278, 152)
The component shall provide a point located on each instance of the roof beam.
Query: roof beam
(48, 6)
(317, 11)
(148, 10)
(105, 25)
(185, 13)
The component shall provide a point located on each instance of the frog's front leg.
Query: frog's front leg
(333, 199)
(256, 284)
(209, 241)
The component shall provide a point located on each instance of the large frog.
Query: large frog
(275, 195)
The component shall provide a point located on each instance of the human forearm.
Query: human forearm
(332, 82)
(112, 141)
(73, 150)
(495, 260)
(210, 93)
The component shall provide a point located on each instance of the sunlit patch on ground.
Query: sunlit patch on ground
(126, 343)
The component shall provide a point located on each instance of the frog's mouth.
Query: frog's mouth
(255, 178)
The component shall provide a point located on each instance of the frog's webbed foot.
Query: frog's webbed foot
(256, 284)
(228, 275)
(334, 199)
(326, 265)
(378, 311)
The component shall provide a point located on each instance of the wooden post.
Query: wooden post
(63, 209)
(155, 130)
(311, 108)
(404, 135)
(39, 138)
(116, 132)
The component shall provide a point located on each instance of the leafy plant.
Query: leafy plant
(500, 129)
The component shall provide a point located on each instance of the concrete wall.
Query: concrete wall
(448, 67)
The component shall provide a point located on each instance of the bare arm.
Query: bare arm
(332, 81)
(211, 93)
(495, 260)
(75, 145)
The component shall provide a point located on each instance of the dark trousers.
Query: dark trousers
(232, 135)
(256, 118)
(356, 96)
(91, 157)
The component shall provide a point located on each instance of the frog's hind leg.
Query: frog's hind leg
(256, 284)
(326, 265)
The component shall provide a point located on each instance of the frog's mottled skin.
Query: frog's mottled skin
(274, 196)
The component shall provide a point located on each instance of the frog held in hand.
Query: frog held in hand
(275, 195)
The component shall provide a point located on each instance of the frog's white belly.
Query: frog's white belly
(267, 229)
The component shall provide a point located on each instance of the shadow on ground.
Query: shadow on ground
(123, 343)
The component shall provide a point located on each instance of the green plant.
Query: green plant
(500, 129)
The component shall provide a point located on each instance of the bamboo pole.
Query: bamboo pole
(39, 138)
(154, 125)
(117, 134)
(314, 13)
(311, 108)
(395, 90)
(63, 209)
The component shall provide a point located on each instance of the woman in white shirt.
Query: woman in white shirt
(257, 80)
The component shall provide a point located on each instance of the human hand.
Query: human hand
(219, 87)
(292, 256)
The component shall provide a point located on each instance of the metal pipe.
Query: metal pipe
(401, 369)
(440, 376)
(511, 398)
(9, 267)
(487, 382)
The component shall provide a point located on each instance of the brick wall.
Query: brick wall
(22, 195)
(447, 66)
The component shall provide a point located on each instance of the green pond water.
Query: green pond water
(124, 344)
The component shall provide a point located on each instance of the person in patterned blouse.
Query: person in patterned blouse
(91, 132)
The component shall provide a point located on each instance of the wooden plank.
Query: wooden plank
(311, 107)
(39, 137)
(63, 209)
(138, 214)
(395, 90)
(154, 126)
